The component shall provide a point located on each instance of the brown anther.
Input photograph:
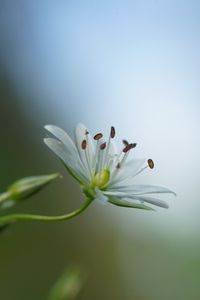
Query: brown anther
(103, 146)
(125, 142)
(134, 145)
(112, 132)
(129, 147)
(84, 144)
(150, 163)
(98, 136)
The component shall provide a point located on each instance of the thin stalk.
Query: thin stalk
(28, 217)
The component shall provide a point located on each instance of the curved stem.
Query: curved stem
(26, 217)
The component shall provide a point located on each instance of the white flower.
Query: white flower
(104, 173)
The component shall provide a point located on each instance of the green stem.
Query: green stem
(20, 217)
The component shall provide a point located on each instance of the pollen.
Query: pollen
(103, 146)
(150, 163)
(129, 147)
(84, 144)
(98, 136)
(112, 132)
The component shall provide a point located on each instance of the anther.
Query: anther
(118, 166)
(125, 142)
(84, 144)
(150, 163)
(129, 147)
(112, 132)
(98, 136)
(103, 146)
(86, 132)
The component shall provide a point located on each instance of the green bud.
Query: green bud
(24, 188)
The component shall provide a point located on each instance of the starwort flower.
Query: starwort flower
(103, 172)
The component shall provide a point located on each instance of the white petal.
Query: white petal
(141, 189)
(128, 203)
(72, 160)
(62, 136)
(80, 134)
(154, 201)
(128, 170)
(101, 197)
(112, 155)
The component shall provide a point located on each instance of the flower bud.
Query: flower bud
(24, 188)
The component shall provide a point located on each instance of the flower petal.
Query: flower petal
(63, 137)
(71, 160)
(154, 201)
(81, 133)
(139, 189)
(128, 170)
(112, 154)
(128, 203)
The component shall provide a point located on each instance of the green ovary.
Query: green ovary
(101, 179)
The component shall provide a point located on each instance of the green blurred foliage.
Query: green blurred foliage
(68, 286)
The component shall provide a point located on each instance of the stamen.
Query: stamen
(125, 142)
(84, 144)
(119, 164)
(96, 157)
(100, 162)
(122, 160)
(129, 147)
(98, 136)
(110, 161)
(103, 146)
(112, 132)
(106, 156)
(150, 163)
(126, 152)
(88, 152)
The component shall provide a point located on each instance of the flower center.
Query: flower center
(101, 179)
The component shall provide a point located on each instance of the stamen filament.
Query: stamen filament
(97, 138)
(84, 146)
(126, 151)
(111, 136)
(88, 153)
(150, 164)
(141, 170)
(106, 154)
(119, 165)
(101, 158)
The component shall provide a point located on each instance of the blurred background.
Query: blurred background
(131, 64)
